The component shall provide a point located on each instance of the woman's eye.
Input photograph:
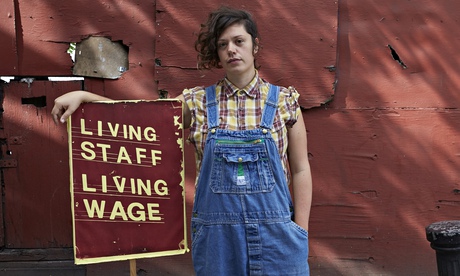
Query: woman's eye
(239, 41)
(222, 45)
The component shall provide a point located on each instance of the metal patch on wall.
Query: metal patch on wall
(101, 58)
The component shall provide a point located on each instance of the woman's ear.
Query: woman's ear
(256, 45)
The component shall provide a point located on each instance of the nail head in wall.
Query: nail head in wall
(100, 57)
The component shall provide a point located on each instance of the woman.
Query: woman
(250, 143)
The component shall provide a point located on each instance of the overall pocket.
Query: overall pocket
(241, 167)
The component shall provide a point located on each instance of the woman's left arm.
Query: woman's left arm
(300, 170)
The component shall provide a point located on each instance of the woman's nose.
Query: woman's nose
(231, 48)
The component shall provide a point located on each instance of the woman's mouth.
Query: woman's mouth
(233, 60)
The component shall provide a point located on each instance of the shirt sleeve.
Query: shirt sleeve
(194, 99)
(289, 105)
(189, 97)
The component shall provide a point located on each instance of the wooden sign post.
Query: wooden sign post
(127, 180)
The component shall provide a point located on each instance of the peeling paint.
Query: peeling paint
(367, 193)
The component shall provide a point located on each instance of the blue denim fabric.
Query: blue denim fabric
(241, 220)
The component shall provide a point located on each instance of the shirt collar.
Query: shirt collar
(250, 89)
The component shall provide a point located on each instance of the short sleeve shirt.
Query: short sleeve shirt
(241, 109)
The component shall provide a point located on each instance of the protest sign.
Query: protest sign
(127, 180)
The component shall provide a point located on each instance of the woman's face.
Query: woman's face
(236, 51)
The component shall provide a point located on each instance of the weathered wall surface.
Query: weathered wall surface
(385, 151)
(298, 42)
(35, 36)
(383, 145)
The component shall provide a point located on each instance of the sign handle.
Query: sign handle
(132, 268)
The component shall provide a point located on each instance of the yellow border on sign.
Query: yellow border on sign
(183, 246)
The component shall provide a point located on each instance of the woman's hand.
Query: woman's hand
(66, 104)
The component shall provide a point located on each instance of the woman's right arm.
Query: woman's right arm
(66, 104)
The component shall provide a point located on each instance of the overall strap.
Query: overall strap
(211, 107)
(271, 105)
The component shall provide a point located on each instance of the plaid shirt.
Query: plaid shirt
(241, 109)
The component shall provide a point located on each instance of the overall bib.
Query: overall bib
(241, 219)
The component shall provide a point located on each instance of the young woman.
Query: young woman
(250, 143)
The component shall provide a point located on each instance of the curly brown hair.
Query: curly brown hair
(218, 21)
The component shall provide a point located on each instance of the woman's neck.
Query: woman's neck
(241, 81)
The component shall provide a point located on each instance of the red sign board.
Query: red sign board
(127, 180)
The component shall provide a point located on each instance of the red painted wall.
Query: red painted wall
(384, 149)
(298, 44)
(36, 35)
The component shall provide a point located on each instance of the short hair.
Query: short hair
(218, 21)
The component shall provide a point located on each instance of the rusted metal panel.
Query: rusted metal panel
(377, 187)
(8, 65)
(36, 191)
(292, 34)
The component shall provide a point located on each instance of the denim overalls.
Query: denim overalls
(241, 220)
